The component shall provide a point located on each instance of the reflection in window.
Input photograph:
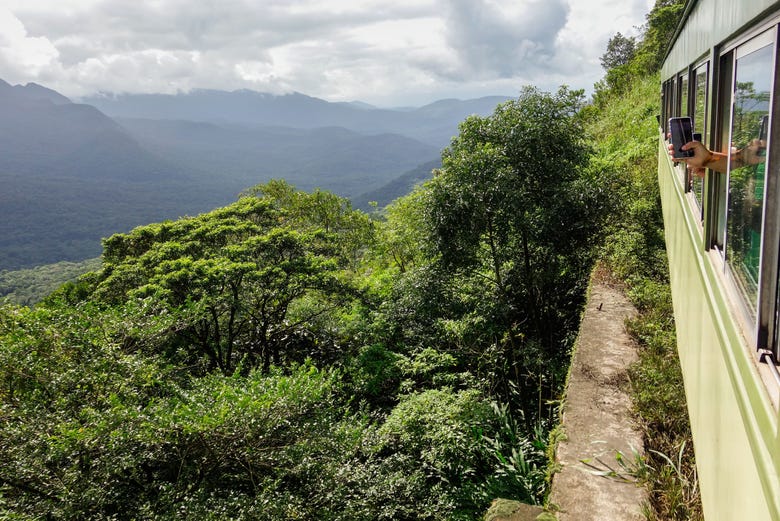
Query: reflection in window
(683, 111)
(752, 87)
(683, 95)
(700, 126)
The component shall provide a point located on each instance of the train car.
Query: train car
(722, 226)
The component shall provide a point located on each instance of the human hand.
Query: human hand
(701, 155)
(754, 153)
(702, 158)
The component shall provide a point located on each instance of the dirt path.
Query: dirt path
(597, 419)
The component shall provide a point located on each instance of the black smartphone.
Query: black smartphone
(681, 130)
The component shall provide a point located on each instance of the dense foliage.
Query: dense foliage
(288, 357)
(30, 286)
(515, 210)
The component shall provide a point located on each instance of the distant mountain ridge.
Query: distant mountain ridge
(434, 124)
(44, 133)
(31, 91)
(73, 173)
(333, 158)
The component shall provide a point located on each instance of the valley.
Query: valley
(75, 173)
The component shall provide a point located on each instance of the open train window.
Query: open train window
(669, 107)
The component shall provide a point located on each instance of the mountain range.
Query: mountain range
(434, 124)
(75, 172)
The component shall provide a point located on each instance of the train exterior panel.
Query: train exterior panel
(722, 227)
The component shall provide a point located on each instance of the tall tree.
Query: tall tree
(620, 51)
(513, 211)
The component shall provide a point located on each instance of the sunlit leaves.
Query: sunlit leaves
(231, 275)
(513, 214)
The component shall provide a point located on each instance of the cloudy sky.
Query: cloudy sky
(388, 53)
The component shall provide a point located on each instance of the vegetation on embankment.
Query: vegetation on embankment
(625, 130)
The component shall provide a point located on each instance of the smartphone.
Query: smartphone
(682, 133)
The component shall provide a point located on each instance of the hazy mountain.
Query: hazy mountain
(336, 159)
(32, 92)
(71, 174)
(434, 124)
(43, 133)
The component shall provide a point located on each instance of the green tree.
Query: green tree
(242, 280)
(402, 241)
(514, 210)
(662, 21)
(620, 51)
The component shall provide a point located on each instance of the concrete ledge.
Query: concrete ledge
(596, 419)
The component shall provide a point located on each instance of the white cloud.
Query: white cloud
(400, 52)
(505, 39)
(22, 56)
(590, 26)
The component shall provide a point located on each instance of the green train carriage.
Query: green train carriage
(723, 241)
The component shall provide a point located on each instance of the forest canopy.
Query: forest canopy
(289, 357)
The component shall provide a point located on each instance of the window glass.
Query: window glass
(747, 155)
(682, 110)
(665, 103)
(700, 125)
(717, 221)
(684, 95)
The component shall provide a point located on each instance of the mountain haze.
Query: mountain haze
(434, 124)
(76, 172)
(335, 158)
(396, 188)
(72, 175)
(42, 133)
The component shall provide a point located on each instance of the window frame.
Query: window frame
(763, 329)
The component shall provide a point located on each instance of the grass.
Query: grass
(659, 399)
(625, 133)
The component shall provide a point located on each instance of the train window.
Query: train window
(682, 110)
(701, 77)
(683, 96)
(715, 221)
(664, 104)
(751, 91)
(670, 103)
